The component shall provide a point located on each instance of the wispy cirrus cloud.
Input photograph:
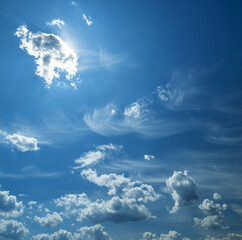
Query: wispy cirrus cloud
(87, 19)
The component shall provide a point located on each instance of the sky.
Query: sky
(120, 120)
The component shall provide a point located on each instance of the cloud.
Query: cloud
(51, 220)
(23, 143)
(183, 190)
(180, 92)
(230, 236)
(216, 196)
(209, 222)
(93, 157)
(95, 232)
(12, 230)
(172, 235)
(215, 215)
(9, 206)
(132, 119)
(52, 55)
(57, 22)
(127, 204)
(149, 157)
(87, 19)
(60, 235)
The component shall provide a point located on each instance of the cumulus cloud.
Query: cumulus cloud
(56, 22)
(12, 230)
(182, 188)
(60, 235)
(216, 196)
(172, 235)
(23, 143)
(215, 215)
(87, 19)
(52, 54)
(50, 220)
(149, 157)
(230, 236)
(95, 232)
(127, 204)
(9, 206)
(93, 157)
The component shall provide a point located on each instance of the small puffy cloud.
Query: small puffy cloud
(216, 196)
(9, 206)
(93, 157)
(12, 230)
(87, 19)
(149, 157)
(183, 190)
(57, 22)
(52, 54)
(95, 232)
(60, 235)
(230, 236)
(51, 220)
(215, 215)
(23, 143)
(172, 235)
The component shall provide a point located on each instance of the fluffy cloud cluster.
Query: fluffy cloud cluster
(52, 55)
(230, 236)
(214, 212)
(12, 230)
(93, 157)
(136, 110)
(51, 220)
(172, 235)
(182, 188)
(127, 202)
(9, 206)
(95, 232)
(23, 143)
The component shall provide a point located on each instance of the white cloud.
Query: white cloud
(9, 206)
(215, 215)
(149, 157)
(95, 232)
(12, 230)
(128, 204)
(87, 19)
(52, 54)
(209, 222)
(51, 220)
(230, 236)
(93, 157)
(142, 121)
(135, 110)
(57, 22)
(183, 190)
(60, 235)
(216, 196)
(172, 235)
(23, 143)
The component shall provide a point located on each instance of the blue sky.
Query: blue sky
(120, 120)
